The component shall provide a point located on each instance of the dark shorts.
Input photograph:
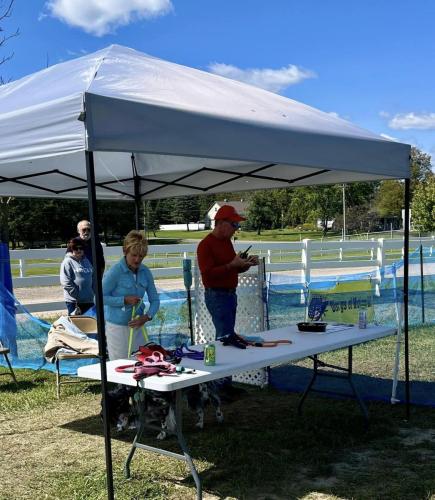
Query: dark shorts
(84, 306)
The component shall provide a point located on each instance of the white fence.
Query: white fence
(41, 267)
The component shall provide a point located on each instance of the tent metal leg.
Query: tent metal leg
(405, 295)
(90, 173)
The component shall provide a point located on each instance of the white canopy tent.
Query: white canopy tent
(119, 124)
(190, 132)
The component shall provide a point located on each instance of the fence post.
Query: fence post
(340, 253)
(269, 256)
(380, 259)
(306, 261)
(22, 268)
(422, 284)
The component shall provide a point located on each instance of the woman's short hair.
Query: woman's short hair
(136, 242)
(74, 244)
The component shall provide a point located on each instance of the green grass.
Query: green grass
(55, 449)
(266, 235)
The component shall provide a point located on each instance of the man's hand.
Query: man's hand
(253, 260)
(237, 263)
(131, 300)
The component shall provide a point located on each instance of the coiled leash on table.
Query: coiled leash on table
(241, 343)
(184, 352)
(143, 328)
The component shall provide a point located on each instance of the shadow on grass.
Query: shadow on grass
(11, 386)
(293, 378)
(264, 450)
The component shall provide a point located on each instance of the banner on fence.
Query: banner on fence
(342, 302)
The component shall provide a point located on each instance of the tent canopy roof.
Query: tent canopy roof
(180, 130)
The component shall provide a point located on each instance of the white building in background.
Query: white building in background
(193, 226)
(329, 224)
(240, 207)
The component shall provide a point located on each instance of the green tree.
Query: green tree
(325, 203)
(423, 205)
(184, 209)
(359, 218)
(261, 211)
(297, 212)
(389, 199)
(421, 167)
(150, 217)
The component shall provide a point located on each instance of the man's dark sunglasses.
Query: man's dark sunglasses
(86, 229)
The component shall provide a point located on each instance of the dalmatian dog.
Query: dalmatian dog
(198, 398)
(159, 407)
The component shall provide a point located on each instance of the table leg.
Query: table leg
(182, 443)
(179, 433)
(352, 385)
(347, 375)
(309, 386)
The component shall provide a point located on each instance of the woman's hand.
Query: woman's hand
(139, 321)
(131, 300)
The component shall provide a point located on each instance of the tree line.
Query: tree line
(370, 206)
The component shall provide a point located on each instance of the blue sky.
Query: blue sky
(371, 62)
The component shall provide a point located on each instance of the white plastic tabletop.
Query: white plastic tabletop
(231, 360)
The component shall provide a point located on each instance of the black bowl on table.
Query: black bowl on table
(312, 326)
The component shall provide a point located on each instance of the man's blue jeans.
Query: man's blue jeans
(222, 306)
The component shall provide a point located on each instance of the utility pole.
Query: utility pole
(344, 212)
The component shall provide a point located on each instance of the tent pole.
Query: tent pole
(137, 202)
(90, 172)
(136, 187)
(405, 294)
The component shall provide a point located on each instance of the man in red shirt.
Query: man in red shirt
(220, 266)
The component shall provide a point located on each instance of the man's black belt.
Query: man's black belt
(219, 289)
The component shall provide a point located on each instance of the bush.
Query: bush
(308, 226)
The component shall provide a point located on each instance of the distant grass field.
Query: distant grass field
(266, 235)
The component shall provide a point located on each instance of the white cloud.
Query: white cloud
(384, 114)
(405, 121)
(99, 17)
(274, 80)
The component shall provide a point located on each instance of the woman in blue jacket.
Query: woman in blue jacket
(124, 286)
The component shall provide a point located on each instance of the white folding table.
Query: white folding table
(230, 361)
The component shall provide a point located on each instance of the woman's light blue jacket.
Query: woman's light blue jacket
(118, 282)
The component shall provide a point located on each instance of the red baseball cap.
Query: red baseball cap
(228, 212)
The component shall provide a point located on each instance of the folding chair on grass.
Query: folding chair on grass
(87, 325)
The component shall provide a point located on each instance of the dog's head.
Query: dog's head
(119, 408)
